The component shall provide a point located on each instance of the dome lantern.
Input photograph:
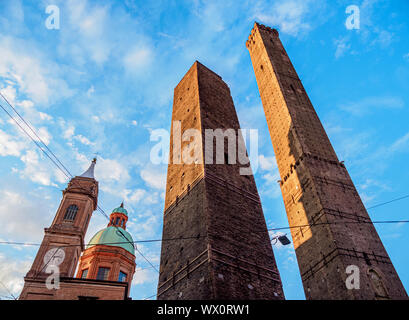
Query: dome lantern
(118, 217)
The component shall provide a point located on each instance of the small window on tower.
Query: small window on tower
(117, 221)
(122, 277)
(102, 273)
(71, 213)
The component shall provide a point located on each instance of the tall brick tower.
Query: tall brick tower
(220, 248)
(64, 240)
(316, 187)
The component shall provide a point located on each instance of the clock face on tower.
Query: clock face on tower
(54, 257)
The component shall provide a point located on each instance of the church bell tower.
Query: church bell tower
(63, 241)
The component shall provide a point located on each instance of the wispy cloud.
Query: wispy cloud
(372, 104)
(342, 46)
(30, 215)
(401, 144)
(291, 17)
(154, 178)
(35, 77)
(12, 274)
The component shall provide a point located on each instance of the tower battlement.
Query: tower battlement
(257, 27)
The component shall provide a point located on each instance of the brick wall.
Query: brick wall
(233, 258)
(317, 189)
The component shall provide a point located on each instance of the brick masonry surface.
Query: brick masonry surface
(316, 187)
(226, 251)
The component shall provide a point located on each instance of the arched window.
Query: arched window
(102, 273)
(84, 274)
(122, 276)
(71, 213)
(117, 221)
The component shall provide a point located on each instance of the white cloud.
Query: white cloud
(267, 163)
(44, 116)
(84, 140)
(383, 38)
(35, 170)
(12, 274)
(400, 144)
(108, 170)
(291, 17)
(342, 47)
(89, 25)
(154, 178)
(60, 177)
(370, 189)
(143, 276)
(9, 145)
(90, 91)
(135, 196)
(25, 218)
(138, 58)
(24, 107)
(28, 69)
(69, 132)
(213, 13)
(366, 105)
(44, 135)
(370, 31)
(144, 227)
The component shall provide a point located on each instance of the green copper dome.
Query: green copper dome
(111, 236)
(121, 209)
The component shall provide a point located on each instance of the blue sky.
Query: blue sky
(105, 80)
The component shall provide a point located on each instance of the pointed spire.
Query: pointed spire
(122, 204)
(90, 172)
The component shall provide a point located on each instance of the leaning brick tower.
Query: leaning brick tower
(319, 196)
(215, 240)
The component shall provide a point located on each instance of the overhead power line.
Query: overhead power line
(201, 237)
(147, 260)
(5, 287)
(387, 202)
(35, 133)
(32, 139)
(147, 298)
